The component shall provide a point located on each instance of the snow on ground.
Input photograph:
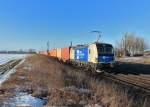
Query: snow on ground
(131, 59)
(6, 75)
(4, 58)
(23, 99)
(141, 59)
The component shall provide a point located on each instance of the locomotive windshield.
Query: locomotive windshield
(105, 49)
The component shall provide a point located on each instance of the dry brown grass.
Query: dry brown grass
(67, 86)
(37, 75)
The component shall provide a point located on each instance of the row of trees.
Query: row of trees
(30, 51)
(131, 45)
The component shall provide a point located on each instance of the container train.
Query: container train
(94, 56)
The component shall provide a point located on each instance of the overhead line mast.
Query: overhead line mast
(48, 47)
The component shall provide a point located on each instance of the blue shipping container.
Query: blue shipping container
(81, 54)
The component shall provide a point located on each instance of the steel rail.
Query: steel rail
(9, 65)
(126, 81)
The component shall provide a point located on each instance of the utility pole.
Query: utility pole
(48, 47)
(98, 33)
(54, 46)
(125, 44)
(71, 44)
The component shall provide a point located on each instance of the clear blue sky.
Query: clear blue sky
(30, 23)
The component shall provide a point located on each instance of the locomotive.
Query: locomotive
(94, 56)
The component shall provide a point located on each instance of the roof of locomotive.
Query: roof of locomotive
(80, 46)
(86, 45)
(102, 44)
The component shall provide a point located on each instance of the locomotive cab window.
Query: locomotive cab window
(101, 50)
(109, 50)
(105, 49)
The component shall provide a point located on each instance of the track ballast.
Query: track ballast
(138, 81)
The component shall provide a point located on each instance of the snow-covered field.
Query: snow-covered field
(131, 59)
(4, 58)
(142, 59)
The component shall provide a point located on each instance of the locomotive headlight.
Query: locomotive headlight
(104, 57)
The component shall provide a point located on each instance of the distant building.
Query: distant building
(147, 52)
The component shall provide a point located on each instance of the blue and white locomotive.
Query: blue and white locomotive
(95, 55)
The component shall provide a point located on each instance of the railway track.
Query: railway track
(8, 66)
(137, 81)
(140, 82)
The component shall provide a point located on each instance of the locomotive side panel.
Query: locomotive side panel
(93, 54)
(81, 54)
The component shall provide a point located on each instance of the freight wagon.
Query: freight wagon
(59, 53)
(53, 53)
(43, 53)
(65, 54)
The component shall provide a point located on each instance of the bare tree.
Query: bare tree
(130, 44)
